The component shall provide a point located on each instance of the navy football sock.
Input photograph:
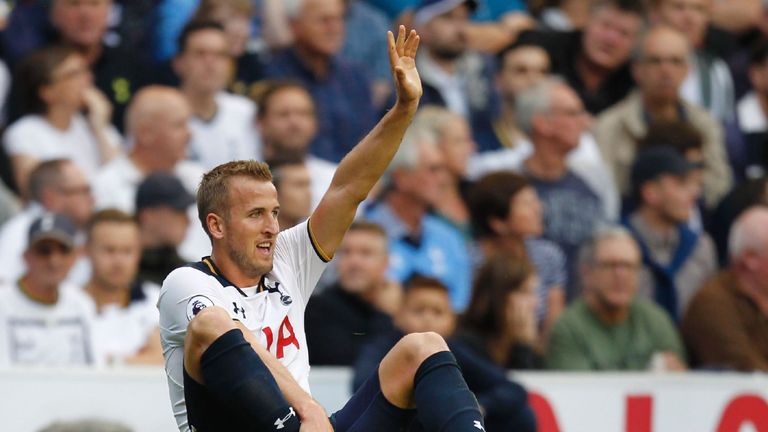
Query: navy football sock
(236, 376)
(444, 403)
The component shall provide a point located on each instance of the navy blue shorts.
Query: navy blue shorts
(369, 411)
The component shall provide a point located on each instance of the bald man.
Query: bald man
(659, 69)
(726, 325)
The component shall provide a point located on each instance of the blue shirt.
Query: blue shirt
(343, 103)
(439, 252)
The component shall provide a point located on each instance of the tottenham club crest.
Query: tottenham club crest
(285, 299)
(196, 304)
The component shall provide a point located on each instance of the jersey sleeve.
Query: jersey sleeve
(306, 261)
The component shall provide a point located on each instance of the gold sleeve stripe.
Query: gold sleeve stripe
(318, 250)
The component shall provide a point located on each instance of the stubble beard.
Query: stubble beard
(246, 263)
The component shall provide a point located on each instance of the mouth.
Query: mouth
(264, 248)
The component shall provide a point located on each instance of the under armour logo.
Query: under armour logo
(239, 310)
(280, 423)
(479, 425)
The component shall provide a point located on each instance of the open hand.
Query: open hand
(402, 62)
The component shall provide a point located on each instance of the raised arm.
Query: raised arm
(359, 171)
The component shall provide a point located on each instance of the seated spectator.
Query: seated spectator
(158, 132)
(55, 85)
(608, 328)
(236, 18)
(420, 242)
(452, 75)
(287, 122)
(507, 219)
(125, 328)
(726, 325)
(752, 192)
(291, 179)
(56, 186)
(595, 61)
(506, 145)
(222, 123)
(659, 69)
(709, 83)
(355, 310)
(500, 323)
(45, 321)
(426, 307)
(676, 259)
(753, 112)
(340, 89)
(454, 139)
(162, 205)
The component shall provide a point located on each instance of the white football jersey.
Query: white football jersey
(274, 313)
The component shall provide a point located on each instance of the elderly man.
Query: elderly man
(340, 89)
(659, 69)
(608, 328)
(727, 321)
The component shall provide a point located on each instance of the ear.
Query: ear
(649, 193)
(498, 226)
(540, 124)
(216, 226)
(45, 93)
(178, 65)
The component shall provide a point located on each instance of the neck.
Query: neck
(447, 65)
(231, 270)
(91, 53)
(591, 75)
(59, 117)
(104, 295)
(662, 110)
(202, 103)
(655, 220)
(319, 64)
(506, 244)
(408, 209)
(753, 288)
(606, 314)
(39, 292)
(546, 163)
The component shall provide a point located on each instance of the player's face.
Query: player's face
(114, 250)
(290, 122)
(49, 262)
(361, 261)
(610, 36)
(521, 69)
(525, 217)
(426, 309)
(457, 145)
(613, 276)
(251, 226)
(81, 22)
(205, 64)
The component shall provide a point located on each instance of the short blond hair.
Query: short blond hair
(213, 193)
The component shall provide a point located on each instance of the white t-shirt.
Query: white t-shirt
(229, 135)
(35, 334)
(121, 332)
(34, 136)
(275, 315)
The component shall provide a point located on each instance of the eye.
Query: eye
(275, 213)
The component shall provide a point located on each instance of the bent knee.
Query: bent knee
(208, 325)
(419, 346)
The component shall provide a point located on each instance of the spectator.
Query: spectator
(420, 242)
(355, 310)
(566, 15)
(426, 307)
(595, 61)
(162, 205)
(341, 92)
(291, 179)
(46, 322)
(500, 323)
(126, 325)
(221, 123)
(676, 259)
(520, 67)
(659, 69)
(507, 218)
(57, 186)
(158, 131)
(726, 325)
(753, 112)
(752, 192)
(235, 16)
(608, 328)
(55, 85)
(452, 75)
(287, 123)
(454, 139)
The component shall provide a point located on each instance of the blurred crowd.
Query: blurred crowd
(583, 187)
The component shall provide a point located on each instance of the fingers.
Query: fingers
(412, 44)
(392, 51)
(400, 45)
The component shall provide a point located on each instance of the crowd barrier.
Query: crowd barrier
(567, 402)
